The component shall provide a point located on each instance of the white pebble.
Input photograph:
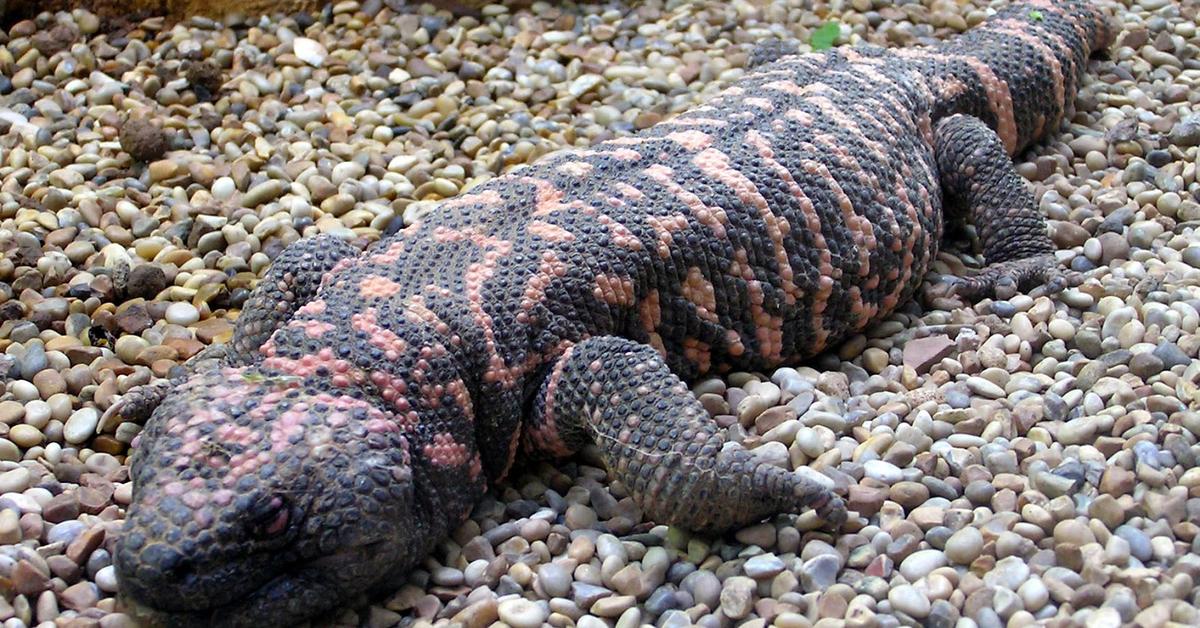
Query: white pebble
(223, 188)
(106, 579)
(37, 413)
(309, 51)
(882, 471)
(521, 613)
(910, 601)
(80, 427)
(182, 313)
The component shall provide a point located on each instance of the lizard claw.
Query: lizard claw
(1040, 275)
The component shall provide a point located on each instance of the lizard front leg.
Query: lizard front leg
(292, 281)
(659, 441)
(976, 173)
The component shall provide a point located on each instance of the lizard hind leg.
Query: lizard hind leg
(977, 173)
(658, 440)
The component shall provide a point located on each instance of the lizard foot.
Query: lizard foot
(139, 403)
(832, 511)
(1039, 275)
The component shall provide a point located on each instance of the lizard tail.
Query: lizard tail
(1020, 69)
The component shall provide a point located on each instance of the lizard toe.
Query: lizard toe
(1036, 275)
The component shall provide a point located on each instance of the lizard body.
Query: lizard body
(367, 400)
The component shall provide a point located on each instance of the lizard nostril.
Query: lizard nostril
(273, 521)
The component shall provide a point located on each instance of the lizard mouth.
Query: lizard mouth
(300, 592)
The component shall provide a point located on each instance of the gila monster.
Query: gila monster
(367, 399)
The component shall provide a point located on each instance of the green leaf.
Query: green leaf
(1035, 15)
(823, 38)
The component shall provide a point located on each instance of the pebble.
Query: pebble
(921, 563)
(763, 566)
(520, 613)
(909, 600)
(81, 425)
(737, 597)
(882, 471)
(1009, 573)
(309, 51)
(15, 480)
(182, 314)
(555, 580)
(819, 573)
(25, 436)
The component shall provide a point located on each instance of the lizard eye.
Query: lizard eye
(273, 521)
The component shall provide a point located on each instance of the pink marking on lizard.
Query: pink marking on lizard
(342, 373)
(444, 451)
(716, 164)
(288, 424)
(575, 168)
(390, 255)
(699, 291)
(313, 328)
(378, 287)
(620, 235)
(545, 437)
(650, 316)
(549, 269)
(393, 346)
(712, 217)
(665, 227)
(624, 154)
(691, 140)
(343, 264)
(698, 353)
(316, 307)
(549, 232)
(614, 290)
(762, 103)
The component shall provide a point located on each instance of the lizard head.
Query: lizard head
(262, 498)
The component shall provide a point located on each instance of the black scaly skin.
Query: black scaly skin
(568, 301)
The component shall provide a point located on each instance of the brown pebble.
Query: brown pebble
(909, 494)
(143, 140)
(922, 353)
(49, 382)
(80, 596)
(53, 40)
(28, 579)
(65, 568)
(61, 508)
(1117, 481)
(1088, 596)
(866, 500)
(92, 500)
(82, 547)
(205, 78)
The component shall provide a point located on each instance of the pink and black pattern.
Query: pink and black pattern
(368, 399)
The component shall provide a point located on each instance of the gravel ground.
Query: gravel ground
(1015, 462)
